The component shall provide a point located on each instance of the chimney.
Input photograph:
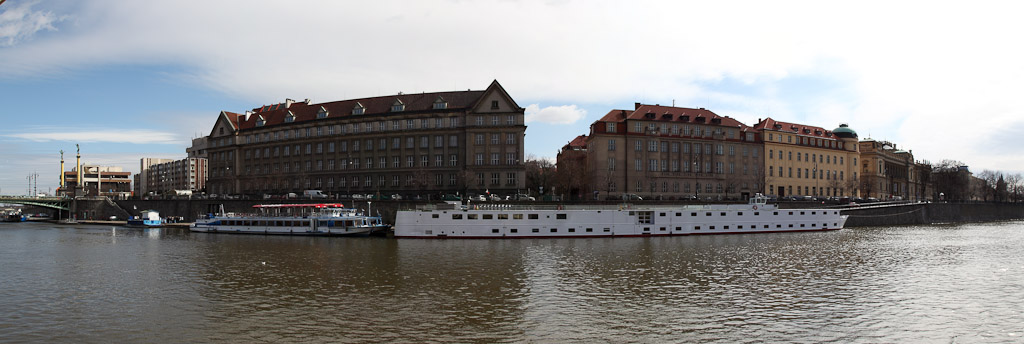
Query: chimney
(636, 106)
(288, 102)
(306, 101)
(247, 114)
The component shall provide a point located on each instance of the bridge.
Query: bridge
(59, 203)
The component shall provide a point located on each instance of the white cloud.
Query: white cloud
(908, 73)
(135, 136)
(565, 114)
(19, 22)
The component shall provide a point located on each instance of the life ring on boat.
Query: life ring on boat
(755, 207)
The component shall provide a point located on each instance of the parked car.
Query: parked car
(631, 197)
(495, 198)
(396, 197)
(358, 197)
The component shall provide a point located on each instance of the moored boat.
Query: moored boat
(625, 220)
(322, 219)
(149, 218)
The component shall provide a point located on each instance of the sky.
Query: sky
(128, 79)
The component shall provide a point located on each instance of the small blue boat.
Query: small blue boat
(149, 218)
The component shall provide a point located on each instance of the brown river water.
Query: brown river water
(101, 284)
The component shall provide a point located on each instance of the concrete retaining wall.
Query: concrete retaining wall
(927, 213)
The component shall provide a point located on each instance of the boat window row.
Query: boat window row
(285, 223)
(459, 216)
(552, 230)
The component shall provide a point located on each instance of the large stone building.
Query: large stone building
(889, 173)
(408, 144)
(803, 160)
(673, 153)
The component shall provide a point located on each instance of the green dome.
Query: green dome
(845, 132)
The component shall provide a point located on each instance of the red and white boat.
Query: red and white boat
(594, 221)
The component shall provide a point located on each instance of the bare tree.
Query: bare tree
(951, 181)
(1014, 186)
(986, 190)
(540, 173)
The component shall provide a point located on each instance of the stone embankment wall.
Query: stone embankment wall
(926, 213)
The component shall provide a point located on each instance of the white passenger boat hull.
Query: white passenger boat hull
(221, 226)
(325, 220)
(621, 222)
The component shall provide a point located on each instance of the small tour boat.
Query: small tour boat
(321, 219)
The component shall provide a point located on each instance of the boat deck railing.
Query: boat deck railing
(272, 215)
(622, 206)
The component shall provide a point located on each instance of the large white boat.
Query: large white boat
(625, 220)
(327, 219)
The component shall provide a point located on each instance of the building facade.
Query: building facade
(573, 172)
(407, 144)
(803, 160)
(110, 181)
(142, 182)
(168, 176)
(667, 152)
(198, 148)
(889, 173)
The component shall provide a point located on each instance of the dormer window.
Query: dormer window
(260, 121)
(440, 104)
(358, 109)
(398, 106)
(322, 113)
(290, 117)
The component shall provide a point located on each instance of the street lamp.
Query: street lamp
(816, 191)
(696, 182)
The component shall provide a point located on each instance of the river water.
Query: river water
(930, 284)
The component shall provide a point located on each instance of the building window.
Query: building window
(495, 178)
(611, 145)
(610, 127)
(494, 105)
(453, 160)
(512, 179)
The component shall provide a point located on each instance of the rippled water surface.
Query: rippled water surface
(933, 284)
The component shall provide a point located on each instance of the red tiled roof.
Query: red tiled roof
(660, 113)
(275, 114)
(578, 142)
(800, 129)
(233, 118)
(616, 116)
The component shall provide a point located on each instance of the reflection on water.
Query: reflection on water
(960, 283)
